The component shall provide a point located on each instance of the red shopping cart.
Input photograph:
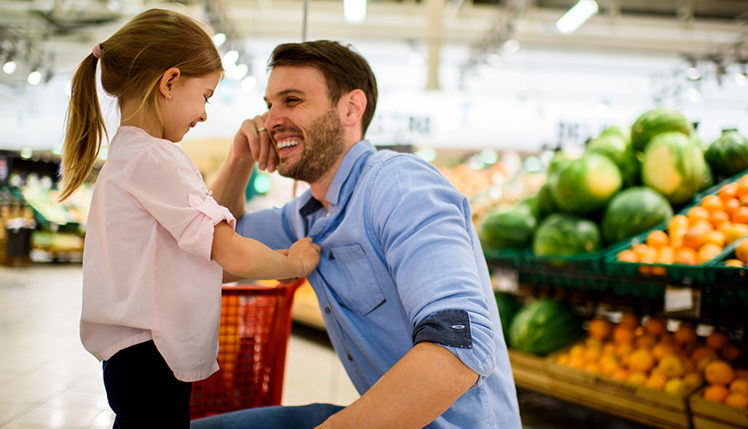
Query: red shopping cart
(253, 336)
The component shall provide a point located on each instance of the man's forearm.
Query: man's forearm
(231, 182)
(414, 392)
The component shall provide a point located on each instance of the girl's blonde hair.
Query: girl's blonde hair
(132, 62)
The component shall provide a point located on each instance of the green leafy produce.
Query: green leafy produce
(565, 235)
(728, 155)
(634, 211)
(674, 165)
(544, 326)
(586, 184)
(657, 121)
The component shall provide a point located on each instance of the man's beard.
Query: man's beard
(323, 144)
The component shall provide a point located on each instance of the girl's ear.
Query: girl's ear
(167, 82)
(354, 104)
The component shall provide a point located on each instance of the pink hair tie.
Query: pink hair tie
(97, 50)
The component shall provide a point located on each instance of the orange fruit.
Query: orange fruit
(656, 381)
(695, 235)
(738, 400)
(637, 378)
(563, 359)
(715, 237)
(671, 366)
(608, 364)
(657, 239)
(736, 230)
(676, 222)
(728, 191)
(716, 393)
(645, 342)
(645, 253)
(717, 339)
(629, 320)
(717, 217)
(736, 263)
(624, 349)
(592, 368)
(599, 328)
(685, 334)
(676, 236)
(739, 385)
(623, 334)
(591, 354)
(620, 374)
(741, 250)
(685, 256)
(660, 350)
(707, 252)
(693, 379)
(675, 386)
(641, 360)
(626, 256)
(719, 372)
(731, 205)
(655, 327)
(697, 213)
(730, 353)
(702, 352)
(711, 203)
(740, 215)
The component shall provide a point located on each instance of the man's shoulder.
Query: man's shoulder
(387, 160)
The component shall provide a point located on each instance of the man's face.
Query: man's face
(302, 123)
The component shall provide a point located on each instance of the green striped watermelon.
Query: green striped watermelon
(657, 121)
(619, 151)
(632, 211)
(674, 165)
(565, 235)
(586, 184)
(728, 155)
(508, 228)
(544, 326)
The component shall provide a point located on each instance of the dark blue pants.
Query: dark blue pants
(279, 417)
(143, 392)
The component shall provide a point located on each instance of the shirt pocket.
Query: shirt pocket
(360, 291)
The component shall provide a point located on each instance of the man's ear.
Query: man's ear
(167, 82)
(354, 104)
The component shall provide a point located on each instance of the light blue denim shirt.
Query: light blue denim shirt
(401, 263)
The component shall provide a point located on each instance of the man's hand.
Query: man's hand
(252, 142)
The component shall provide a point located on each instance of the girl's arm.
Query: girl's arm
(251, 259)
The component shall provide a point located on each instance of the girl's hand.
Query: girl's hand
(306, 253)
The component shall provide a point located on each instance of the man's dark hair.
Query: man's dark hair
(343, 68)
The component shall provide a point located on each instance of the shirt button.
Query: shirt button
(350, 357)
(327, 310)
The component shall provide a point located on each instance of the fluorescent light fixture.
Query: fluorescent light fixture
(576, 16)
(354, 10)
(693, 73)
(510, 47)
(10, 67)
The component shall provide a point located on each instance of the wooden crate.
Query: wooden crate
(637, 403)
(713, 415)
(530, 371)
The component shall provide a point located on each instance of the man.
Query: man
(402, 282)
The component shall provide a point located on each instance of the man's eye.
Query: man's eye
(291, 100)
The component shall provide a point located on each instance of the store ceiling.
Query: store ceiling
(61, 31)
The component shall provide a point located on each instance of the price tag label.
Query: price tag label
(679, 299)
(505, 280)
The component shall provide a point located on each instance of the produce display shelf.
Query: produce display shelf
(507, 258)
(530, 371)
(713, 415)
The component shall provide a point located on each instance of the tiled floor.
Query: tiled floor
(47, 379)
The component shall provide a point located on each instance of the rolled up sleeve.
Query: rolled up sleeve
(422, 222)
(169, 187)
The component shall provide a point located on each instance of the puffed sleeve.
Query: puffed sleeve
(165, 182)
(424, 226)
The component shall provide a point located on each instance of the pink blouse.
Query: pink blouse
(147, 272)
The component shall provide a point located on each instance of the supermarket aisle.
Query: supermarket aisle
(47, 379)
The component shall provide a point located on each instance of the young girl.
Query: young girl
(156, 239)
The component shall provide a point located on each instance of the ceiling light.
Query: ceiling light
(34, 77)
(576, 16)
(9, 67)
(230, 57)
(510, 47)
(354, 10)
(693, 73)
(219, 39)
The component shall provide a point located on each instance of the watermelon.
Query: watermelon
(657, 121)
(619, 151)
(544, 326)
(674, 165)
(546, 205)
(728, 155)
(559, 161)
(586, 184)
(565, 235)
(613, 130)
(508, 228)
(508, 308)
(633, 211)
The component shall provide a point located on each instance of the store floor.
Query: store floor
(47, 379)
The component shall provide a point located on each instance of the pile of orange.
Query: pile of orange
(740, 260)
(649, 355)
(699, 235)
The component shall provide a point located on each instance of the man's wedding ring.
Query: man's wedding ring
(261, 129)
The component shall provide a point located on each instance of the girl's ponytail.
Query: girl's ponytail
(84, 130)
